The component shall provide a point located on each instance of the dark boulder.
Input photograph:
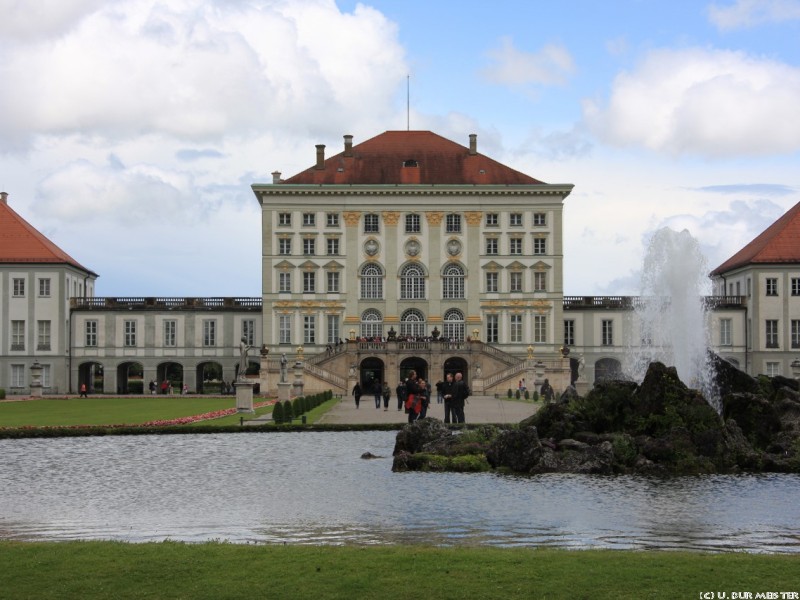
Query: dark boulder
(415, 435)
(516, 449)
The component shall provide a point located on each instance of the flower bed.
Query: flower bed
(204, 417)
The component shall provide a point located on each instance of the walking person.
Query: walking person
(401, 394)
(387, 393)
(448, 389)
(546, 392)
(413, 399)
(439, 392)
(377, 391)
(460, 395)
(357, 393)
(84, 393)
(425, 392)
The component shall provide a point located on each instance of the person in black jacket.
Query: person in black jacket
(357, 393)
(448, 389)
(460, 395)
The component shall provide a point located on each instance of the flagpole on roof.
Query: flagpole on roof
(408, 102)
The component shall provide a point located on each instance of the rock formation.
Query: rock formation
(657, 427)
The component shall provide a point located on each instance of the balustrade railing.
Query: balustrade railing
(156, 303)
(326, 375)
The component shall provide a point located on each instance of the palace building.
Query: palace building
(405, 251)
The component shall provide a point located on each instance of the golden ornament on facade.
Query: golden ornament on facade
(473, 217)
(351, 217)
(434, 217)
(391, 217)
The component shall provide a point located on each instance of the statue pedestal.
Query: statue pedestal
(36, 390)
(298, 384)
(284, 391)
(244, 396)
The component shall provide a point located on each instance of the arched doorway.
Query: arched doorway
(91, 373)
(371, 370)
(456, 364)
(607, 368)
(414, 363)
(171, 372)
(209, 379)
(129, 378)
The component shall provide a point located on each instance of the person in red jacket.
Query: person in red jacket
(413, 397)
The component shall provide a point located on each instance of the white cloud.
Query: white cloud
(87, 192)
(749, 13)
(704, 102)
(552, 65)
(198, 71)
(27, 20)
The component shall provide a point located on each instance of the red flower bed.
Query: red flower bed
(204, 417)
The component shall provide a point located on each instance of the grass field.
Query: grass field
(109, 410)
(90, 570)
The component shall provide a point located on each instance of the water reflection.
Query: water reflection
(313, 488)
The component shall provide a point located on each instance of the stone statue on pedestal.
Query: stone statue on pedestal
(284, 362)
(244, 348)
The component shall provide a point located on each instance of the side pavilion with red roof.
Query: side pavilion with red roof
(766, 272)
(37, 281)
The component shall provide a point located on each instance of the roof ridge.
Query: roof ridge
(409, 157)
(21, 242)
(778, 243)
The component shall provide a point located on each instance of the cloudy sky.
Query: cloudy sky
(131, 130)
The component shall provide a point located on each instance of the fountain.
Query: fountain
(670, 318)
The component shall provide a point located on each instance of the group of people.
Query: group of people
(414, 395)
(165, 387)
(381, 391)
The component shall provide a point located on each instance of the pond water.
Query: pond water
(314, 488)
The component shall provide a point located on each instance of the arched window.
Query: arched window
(453, 325)
(453, 282)
(371, 323)
(412, 323)
(412, 283)
(372, 282)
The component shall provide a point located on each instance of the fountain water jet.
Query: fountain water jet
(670, 317)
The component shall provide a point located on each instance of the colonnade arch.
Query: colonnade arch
(371, 369)
(209, 377)
(91, 374)
(130, 378)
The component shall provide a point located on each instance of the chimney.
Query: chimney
(473, 143)
(4, 197)
(276, 177)
(348, 145)
(320, 157)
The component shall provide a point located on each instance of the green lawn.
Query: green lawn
(88, 570)
(108, 411)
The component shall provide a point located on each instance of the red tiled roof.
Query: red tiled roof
(778, 243)
(387, 159)
(20, 242)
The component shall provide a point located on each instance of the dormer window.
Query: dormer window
(410, 163)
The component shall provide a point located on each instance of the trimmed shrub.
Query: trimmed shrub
(288, 413)
(297, 406)
(510, 393)
(2, 394)
(517, 394)
(277, 412)
(527, 395)
(535, 396)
